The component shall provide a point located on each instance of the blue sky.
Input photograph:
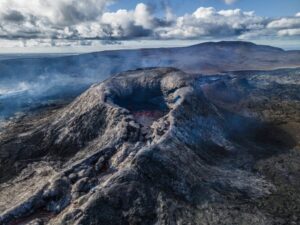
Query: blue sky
(92, 25)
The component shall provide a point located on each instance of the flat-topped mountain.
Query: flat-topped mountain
(159, 146)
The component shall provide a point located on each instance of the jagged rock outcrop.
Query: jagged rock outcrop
(156, 146)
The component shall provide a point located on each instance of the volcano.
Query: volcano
(159, 146)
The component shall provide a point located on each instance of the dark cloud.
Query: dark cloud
(14, 16)
(72, 15)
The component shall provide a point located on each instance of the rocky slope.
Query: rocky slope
(159, 146)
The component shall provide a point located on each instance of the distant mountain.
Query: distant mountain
(35, 79)
(207, 58)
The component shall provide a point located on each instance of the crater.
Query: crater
(146, 104)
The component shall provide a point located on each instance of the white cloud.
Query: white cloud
(73, 21)
(203, 12)
(169, 16)
(120, 24)
(208, 22)
(285, 23)
(46, 18)
(289, 32)
(286, 26)
(228, 2)
(143, 16)
(57, 11)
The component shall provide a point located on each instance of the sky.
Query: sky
(93, 25)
